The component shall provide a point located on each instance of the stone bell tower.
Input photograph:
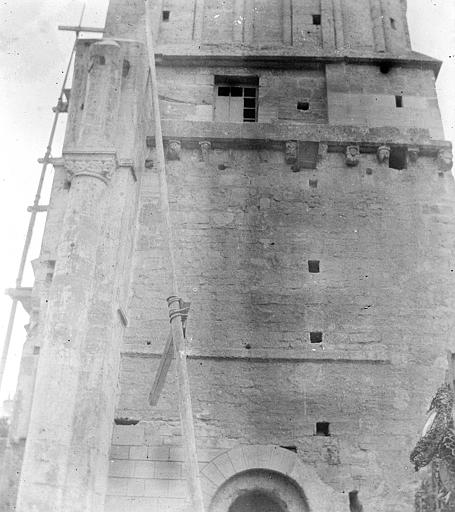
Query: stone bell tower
(312, 207)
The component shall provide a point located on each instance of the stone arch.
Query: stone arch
(248, 460)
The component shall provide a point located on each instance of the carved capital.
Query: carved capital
(291, 152)
(445, 159)
(413, 153)
(174, 150)
(101, 167)
(383, 154)
(205, 147)
(352, 156)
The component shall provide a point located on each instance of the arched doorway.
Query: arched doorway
(256, 501)
(275, 475)
(259, 490)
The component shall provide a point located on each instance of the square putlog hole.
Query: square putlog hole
(323, 428)
(316, 337)
(166, 15)
(313, 266)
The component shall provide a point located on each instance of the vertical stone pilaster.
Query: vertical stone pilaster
(287, 22)
(63, 427)
(328, 29)
(198, 23)
(248, 31)
(338, 23)
(378, 25)
(388, 36)
(239, 21)
(66, 454)
(102, 98)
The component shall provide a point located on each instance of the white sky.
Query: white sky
(33, 57)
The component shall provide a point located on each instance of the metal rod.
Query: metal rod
(72, 28)
(184, 395)
(31, 224)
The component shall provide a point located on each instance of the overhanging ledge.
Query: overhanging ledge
(275, 135)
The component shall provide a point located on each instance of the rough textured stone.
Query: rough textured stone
(245, 227)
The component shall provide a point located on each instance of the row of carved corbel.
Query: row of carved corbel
(174, 150)
(444, 158)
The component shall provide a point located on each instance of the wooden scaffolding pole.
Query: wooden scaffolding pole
(174, 302)
(36, 208)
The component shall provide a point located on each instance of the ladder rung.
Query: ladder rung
(39, 208)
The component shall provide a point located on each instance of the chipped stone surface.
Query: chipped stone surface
(245, 226)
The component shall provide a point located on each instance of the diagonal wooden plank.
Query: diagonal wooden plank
(163, 368)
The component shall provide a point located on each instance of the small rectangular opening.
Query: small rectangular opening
(316, 337)
(316, 19)
(125, 421)
(393, 23)
(166, 15)
(399, 101)
(313, 183)
(323, 428)
(313, 266)
(303, 105)
(398, 159)
(290, 448)
(36, 350)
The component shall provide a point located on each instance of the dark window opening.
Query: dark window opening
(399, 101)
(323, 429)
(385, 67)
(393, 23)
(303, 105)
(290, 448)
(236, 98)
(36, 350)
(166, 15)
(313, 183)
(315, 337)
(313, 268)
(236, 92)
(224, 91)
(398, 159)
(316, 19)
(369, 171)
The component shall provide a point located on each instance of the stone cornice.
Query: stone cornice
(285, 58)
(275, 136)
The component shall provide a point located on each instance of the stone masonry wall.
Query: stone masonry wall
(364, 96)
(189, 93)
(348, 25)
(382, 300)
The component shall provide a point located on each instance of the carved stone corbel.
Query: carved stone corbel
(445, 159)
(290, 155)
(174, 150)
(94, 166)
(352, 156)
(413, 153)
(205, 146)
(383, 154)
